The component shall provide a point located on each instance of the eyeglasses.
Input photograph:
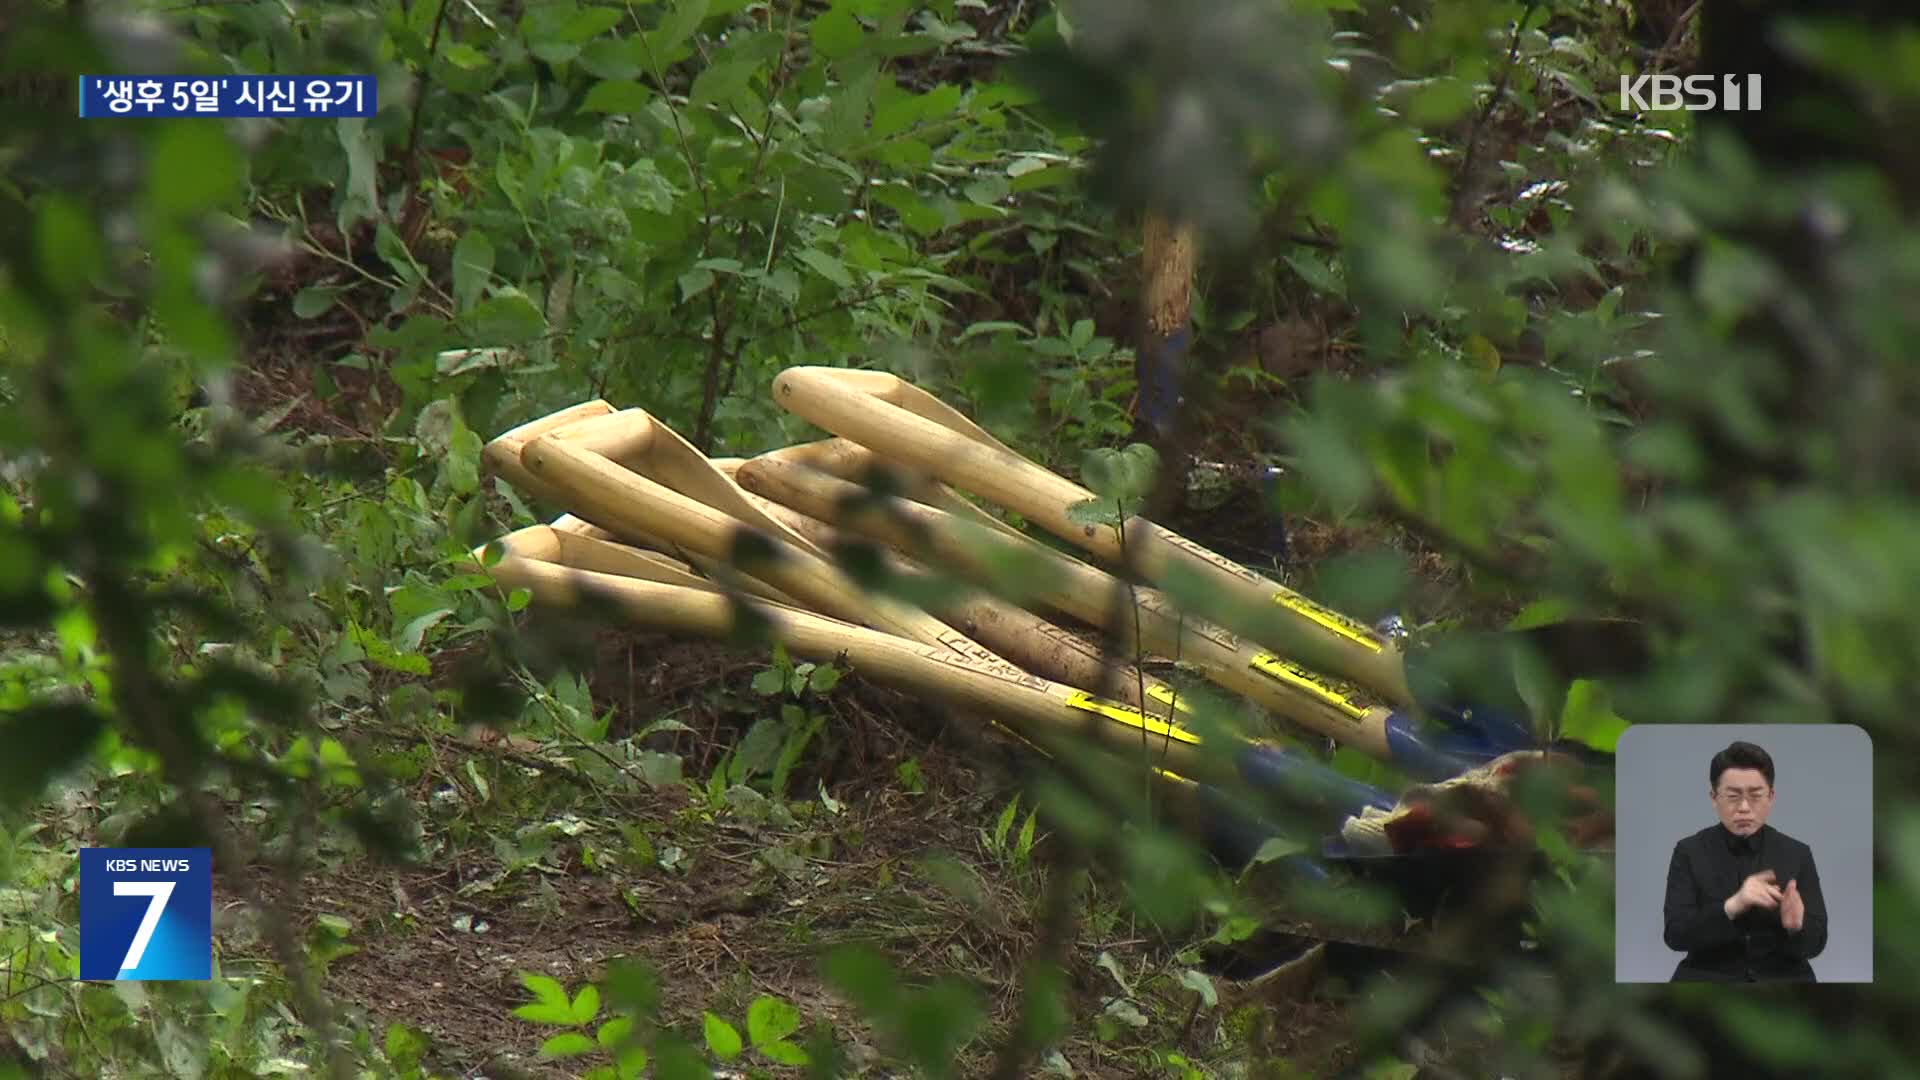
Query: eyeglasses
(1743, 798)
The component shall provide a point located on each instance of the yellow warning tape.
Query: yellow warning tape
(1296, 676)
(1130, 716)
(1355, 632)
(1165, 696)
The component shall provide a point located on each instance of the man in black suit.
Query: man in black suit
(1743, 898)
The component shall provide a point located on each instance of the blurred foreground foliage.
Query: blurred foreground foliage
(1611, 376)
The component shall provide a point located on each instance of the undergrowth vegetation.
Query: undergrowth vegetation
(1520, 354)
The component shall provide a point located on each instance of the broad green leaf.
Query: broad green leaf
(835, 33)
(824, 678)
(550, 1004)
(464, 56)
(721, 81)
(415, 632)
(1588, 716)
(1100, 471)
(566, 1045)
(614, 1032)
(69, 246)
(617, 59)
(866, 978)
(314, 300)
(770, 1020)
(43, 742)
(1200, 983)
(617, 96)
(507, 318)
(722, 1039)
(694, 282)
(759, 748)
(192, 167)
(586, 1005)
(826, 266)
(783, 1052)
(770, 683)
(938, 1021)
(592, 22)
(472, 267)
(665, 41)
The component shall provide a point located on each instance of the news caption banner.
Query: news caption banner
(238, 96)
(146, 913)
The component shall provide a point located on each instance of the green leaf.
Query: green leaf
(361, 197)
(782, 1052)
(835, 33)
(1200, 983)
(1542, 612)
(393, 250)
(938, 1021)
(679, 23)
(191, 168)
(614, 1032)
(314, 300)
(1005, 824)
(1588, 716)
(405, 1045)
(676, 1059)
(824, 678)
(770, 683)
(1024, 846)
(518, 599)
(464, 56)
(759, 748)
(472, 267)
(416, 631)
(550, 1004)
(845, 122)
(43, 742)
(630, 1063)
(566, 1044)
(1139, 468)
(591, 23)
(1081, 335)
(827, 266)
(720, 82)
(694, 282)
(69, 244)
(722, 1039)
(384, 655)
(1100, 470)
(1276, 847)
(864, 977)
(586, 1005)
(618, 59)
(507, 318)
(769, 1020)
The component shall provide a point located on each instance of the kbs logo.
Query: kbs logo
(146, 913)
(1695, 93)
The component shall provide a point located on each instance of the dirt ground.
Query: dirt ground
(441, 946)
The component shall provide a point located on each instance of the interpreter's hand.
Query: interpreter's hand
(1793, 908)
(1758, 891)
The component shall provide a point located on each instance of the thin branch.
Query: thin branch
(1463, 193)
(420, 94)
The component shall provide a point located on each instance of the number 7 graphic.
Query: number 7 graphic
(158, 892)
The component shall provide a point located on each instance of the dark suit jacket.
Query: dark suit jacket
(1707, 868)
